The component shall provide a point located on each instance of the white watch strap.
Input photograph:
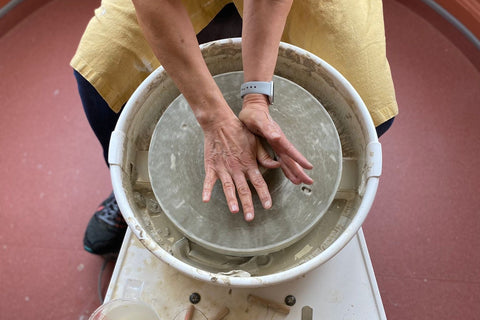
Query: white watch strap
(261, 87)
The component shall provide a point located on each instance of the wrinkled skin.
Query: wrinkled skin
(231, 153)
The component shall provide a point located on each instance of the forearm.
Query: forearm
(263, 24)
(168, 29)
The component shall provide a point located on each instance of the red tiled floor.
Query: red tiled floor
(422, 232)
(52, 168)
(20, 10)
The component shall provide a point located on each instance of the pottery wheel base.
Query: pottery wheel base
(176, 172)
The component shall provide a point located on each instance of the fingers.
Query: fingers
(239, 184)
(228, 188)
(265, 159)
(245, 196)
(229, 191)
(282, 146)
(293, 171)
(261, 187)
(293, 161)
(259, 121)
(208, 183)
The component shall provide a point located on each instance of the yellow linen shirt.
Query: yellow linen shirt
(115, 58)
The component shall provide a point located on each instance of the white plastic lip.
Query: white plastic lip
(137, 100)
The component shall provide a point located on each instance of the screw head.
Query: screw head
(290, 300)
(194, 298)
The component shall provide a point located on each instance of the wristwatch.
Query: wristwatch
(261, 87)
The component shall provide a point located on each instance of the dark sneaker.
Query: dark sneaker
(106, 229)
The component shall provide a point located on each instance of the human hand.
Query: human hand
(231, 153)
(257, 119)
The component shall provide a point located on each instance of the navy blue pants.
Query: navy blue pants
(102, 119)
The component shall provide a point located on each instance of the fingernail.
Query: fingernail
(205, 196)
(234, 208)
(249, 216)
(267, 204)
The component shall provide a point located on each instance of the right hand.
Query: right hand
(256, 117)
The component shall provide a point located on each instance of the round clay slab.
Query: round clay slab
(176, 170)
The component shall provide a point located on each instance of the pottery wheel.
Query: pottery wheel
(176, 170)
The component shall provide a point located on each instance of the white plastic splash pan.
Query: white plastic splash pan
(362, 163)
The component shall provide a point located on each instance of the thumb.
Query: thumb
(265, 159)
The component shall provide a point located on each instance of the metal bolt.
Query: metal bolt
(194, 298)
(290, 300)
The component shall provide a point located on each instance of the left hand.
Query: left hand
(231, 155)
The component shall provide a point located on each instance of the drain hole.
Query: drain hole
(307, 190)
(184, 125)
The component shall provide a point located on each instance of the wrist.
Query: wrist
(258, 87)
(257, 100)
(212, 116)
(209, 105)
